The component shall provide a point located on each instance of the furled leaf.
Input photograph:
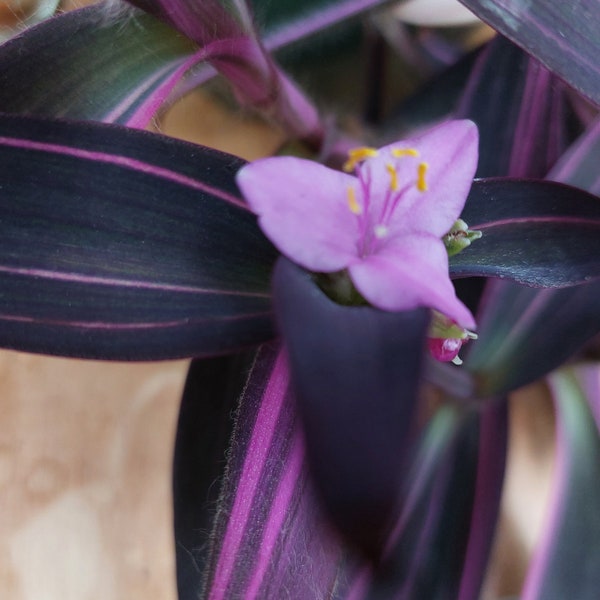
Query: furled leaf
(356, 373)
(86, 64)
(537, 233)
(123, 244)
(562, 35)
(567, 560)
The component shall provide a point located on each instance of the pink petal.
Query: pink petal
(408, 273)
(303, 209)
(451, 151)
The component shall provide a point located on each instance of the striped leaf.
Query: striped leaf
(562, 35)
(567, 561)
(537, 233)
(269, 538)
(86, 64)
(122, 244)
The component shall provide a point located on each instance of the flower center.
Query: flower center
(375, 227)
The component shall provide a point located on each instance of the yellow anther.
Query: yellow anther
(393, 177)
(401, 152)
(353, 204)
(421, 170)
(356, 156)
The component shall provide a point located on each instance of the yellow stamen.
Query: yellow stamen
(393, 177)
(421, 170)
(401, 152)
(356, 156)
(353, 204)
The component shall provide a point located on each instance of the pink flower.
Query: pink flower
(383, 224)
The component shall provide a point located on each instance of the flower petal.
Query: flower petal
(450, 150)
(303, 209)
(408, 273)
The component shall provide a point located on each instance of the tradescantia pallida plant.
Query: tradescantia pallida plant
(321, 302)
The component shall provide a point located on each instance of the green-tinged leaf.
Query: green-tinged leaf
(122, 244)
(566, 563)
(441, 544)
(525, 333)
(355, 372)
(562, 35)
(538, 233)
(87, 64)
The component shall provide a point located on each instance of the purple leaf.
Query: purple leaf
(561, 35)
(567, 561)
(270, 538)
(524, 333)
(537, 233)
(123, 244)
(356, 373)
(206, 421)
(87, 65)
(441, 543)
(232, 46)
(579, 165)
(491, 464)
(521, 110)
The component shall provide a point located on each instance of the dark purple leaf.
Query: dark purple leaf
(491, 464)
(538, 233)
(356, 373)
(440, 545)
(579, 165)
(562, 35)
(206, 419)
(88, 65)
(270, 538)
(524, 333)
(566, 563)
(516, 344)
(122, 244)
(521, 110)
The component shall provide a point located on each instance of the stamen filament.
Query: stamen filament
(357, 155)
(421, 171)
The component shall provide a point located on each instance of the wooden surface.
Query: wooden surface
(85, 459)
